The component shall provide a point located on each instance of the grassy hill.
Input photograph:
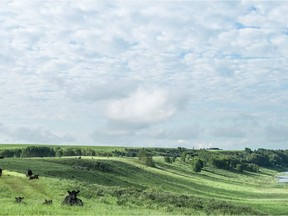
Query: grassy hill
(123, 186)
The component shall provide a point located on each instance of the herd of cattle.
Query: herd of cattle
(71, 199)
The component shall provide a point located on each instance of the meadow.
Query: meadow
(123, 186)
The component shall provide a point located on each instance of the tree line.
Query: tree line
(44, 151)
(234, 160)
(230, 160)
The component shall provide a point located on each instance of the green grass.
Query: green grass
(123, 186)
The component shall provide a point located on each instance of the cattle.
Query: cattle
(79, 157)
(34, 177)
(47, 202)
(72, 199)
(0, 172)
(29, 173)
(1, 157)
(19, 199)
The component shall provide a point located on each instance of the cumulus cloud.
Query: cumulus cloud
(144, 107)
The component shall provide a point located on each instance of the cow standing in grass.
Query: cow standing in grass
(0, 172)
(72, 199)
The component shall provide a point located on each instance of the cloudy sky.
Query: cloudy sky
(145, 73)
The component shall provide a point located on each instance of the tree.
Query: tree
(221, 162)
(248, 150)
(183, 156)
(59, 152)
(145, 158)
(258, 159)
(173, 159)
(38, 151)
(167, 159)
(197, 164)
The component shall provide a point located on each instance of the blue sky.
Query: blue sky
(145, 73)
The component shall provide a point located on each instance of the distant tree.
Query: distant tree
(7, 153)
(275, 159)
(142, 154)
(197, 164)
(38, 151)
(78, 151)
(173, 159)
(221, 162)
(248, 150)
(68, 152)
(183, 156)
(145, 158)
(88, 152)
(258, 159)
(167, 159)
(59, 152)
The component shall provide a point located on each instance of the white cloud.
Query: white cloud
(144, 107)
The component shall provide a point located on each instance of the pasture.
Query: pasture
(123, 186)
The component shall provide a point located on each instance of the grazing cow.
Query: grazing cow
(34, 177)
(72, 199)
(0, 172)
(79, 157)
(1, 157)
(47, 202)
(19, 199)
(29, 173)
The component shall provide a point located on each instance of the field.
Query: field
(123, 186)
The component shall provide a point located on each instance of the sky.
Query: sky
(194, 74)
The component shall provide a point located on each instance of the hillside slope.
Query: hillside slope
(121, 186)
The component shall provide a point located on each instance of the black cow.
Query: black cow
(72, 199)
(0, 172)
(47, 202)
(34, 177)
(18, 199)
(29, 173)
